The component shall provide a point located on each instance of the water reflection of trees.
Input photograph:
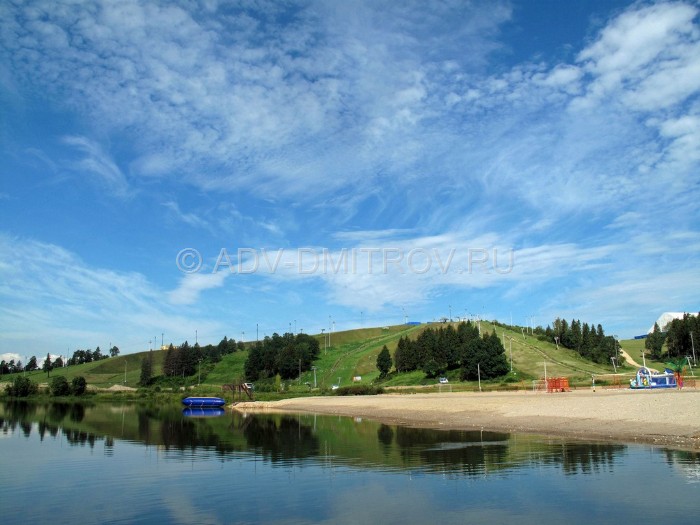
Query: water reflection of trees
(578, 458)
(466, 452)
(688, 463)
(281, 439)
(22, 415)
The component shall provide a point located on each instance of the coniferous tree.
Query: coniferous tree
(32, 365)
(146, 370)
(170, 362)
(655, 342)
(47, 366)
(384, 362)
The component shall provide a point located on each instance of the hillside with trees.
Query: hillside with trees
(438, 350)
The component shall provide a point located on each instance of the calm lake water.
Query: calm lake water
(106, 463)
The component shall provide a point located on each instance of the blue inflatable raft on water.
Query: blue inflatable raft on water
(202, 402)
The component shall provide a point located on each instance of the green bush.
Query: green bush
(21, 387)
(59, 386)
(78, 386)
(359, 390)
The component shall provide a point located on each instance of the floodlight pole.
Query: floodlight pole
(511, 354)
(695, 362)
(612, 360)
(478, 371)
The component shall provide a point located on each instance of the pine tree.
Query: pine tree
(655, 342)
(47, 367)
(146, 370)
(384, 362)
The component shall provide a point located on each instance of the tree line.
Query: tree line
(683, 336)
(287, 355)
(79, 357)
(589, 341)
(183, 360)
(88, 356)
(435, 351)
(22, 386)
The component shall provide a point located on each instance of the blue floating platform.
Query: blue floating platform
(203, 402)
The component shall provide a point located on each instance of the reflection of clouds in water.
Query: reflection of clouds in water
(183, 510)
(373, 503)
(691, 473)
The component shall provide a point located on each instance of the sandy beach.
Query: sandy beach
(668, 418)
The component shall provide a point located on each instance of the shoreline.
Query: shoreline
(665, 418)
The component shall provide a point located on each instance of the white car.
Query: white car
(443, 380)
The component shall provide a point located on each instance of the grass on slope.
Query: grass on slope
(354, 353)
(106, 372)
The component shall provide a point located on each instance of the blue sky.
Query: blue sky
(355, 163)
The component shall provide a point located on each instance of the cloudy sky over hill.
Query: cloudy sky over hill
(243, 168)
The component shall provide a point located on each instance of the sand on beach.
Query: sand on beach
(669, 418)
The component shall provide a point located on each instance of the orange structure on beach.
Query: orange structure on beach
(558, 384)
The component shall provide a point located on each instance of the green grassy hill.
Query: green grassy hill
(121, 370)
(353, 353)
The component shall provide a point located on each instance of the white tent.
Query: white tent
(665, 318)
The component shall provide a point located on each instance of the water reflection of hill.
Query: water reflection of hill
(289, 439)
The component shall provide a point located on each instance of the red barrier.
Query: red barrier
(558, 384)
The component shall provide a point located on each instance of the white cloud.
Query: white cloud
(50, 300)
(188, 218)
(11, 356)
(192, 285)
(229, 100)
(96, 162)
(647, 56)
(366, 123)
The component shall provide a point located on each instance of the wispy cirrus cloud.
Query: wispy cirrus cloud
(95, 161)
(51, 299)
(365, 123)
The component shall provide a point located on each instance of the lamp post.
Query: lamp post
(695, 362)
(687, 358)
(314, 369)
(511, 354)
